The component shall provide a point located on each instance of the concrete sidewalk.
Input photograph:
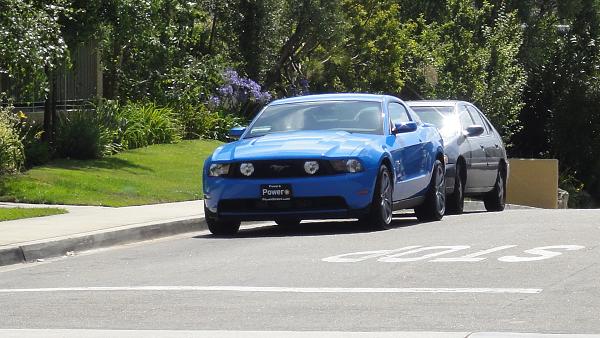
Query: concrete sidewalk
(85, 228)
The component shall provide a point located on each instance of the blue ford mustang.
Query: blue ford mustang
(326, 156)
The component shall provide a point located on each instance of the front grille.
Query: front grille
(281, 168)
(295, 204)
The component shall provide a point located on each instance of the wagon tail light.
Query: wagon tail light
(347, 166)
(218, 169)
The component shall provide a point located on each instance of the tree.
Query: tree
(377, 53)
(32, 44)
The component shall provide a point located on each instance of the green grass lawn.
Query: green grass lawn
(155, 174)
(9, 214)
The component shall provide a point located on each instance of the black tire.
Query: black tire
(495, 200)
(219, 227)
(222, 228)
(381, 210)
(288, 222)
(455, 203)
(434, 207)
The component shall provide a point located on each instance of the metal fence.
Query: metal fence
(76, 85)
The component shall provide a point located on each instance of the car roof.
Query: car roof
(333, 97)
(430, 103)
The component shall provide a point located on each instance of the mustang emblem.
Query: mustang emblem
(279, 168)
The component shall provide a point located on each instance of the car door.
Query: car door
(490, 146)
(474, 152)
(408, 156)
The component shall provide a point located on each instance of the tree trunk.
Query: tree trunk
(111, 77)
(50, 117)
(249, 33)
(286, 52)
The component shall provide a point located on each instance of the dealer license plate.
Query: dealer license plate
(276, 192)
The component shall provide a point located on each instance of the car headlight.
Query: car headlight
(218, 169)
(247, 169)
(348, 166)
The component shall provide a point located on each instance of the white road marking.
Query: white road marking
(541, 252)
(474, 257)
(400, 255)
(76, 333)
(364, 255)
(399, 258)
(272, 289)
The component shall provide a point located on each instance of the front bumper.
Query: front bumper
(334, 196)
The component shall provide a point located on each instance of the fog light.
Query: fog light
(247, 169)
(311, 167)
(354, 166)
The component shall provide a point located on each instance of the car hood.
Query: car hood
(300, 144)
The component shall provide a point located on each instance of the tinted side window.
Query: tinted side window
(477, 118)
(487, 122)
(398, 114)
(465, 117)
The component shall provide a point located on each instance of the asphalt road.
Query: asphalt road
(518, 271)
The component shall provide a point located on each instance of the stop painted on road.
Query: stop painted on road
(433, 254)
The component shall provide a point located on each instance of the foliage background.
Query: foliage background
(532, 65)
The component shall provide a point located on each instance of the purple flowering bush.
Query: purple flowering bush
(238, 95)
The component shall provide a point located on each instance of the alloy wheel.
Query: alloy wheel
(440, 190)
(386, 197)
(500, 187)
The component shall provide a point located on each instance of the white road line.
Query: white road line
(66, 333)
(274, 289)
(77, 333)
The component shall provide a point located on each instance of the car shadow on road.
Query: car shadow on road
(469, 212)
(317, 228)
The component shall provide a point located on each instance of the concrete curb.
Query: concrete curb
(12, 255)
(55, 247)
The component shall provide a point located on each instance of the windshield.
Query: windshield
(351, 116)
(437, 116)
(441, 117)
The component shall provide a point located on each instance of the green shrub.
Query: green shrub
(12, 155)
(80, 135)
(579, 198)
(108, 114)
(144, 125)
(136, 125)
(191, 119)
(112, 127)
(216, 125)
(37, 152)
(200, 122)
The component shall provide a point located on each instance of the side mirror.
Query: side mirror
(405, 127)
(236, 132)
(474, 130)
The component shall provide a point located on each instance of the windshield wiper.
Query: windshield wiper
(254, 136)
